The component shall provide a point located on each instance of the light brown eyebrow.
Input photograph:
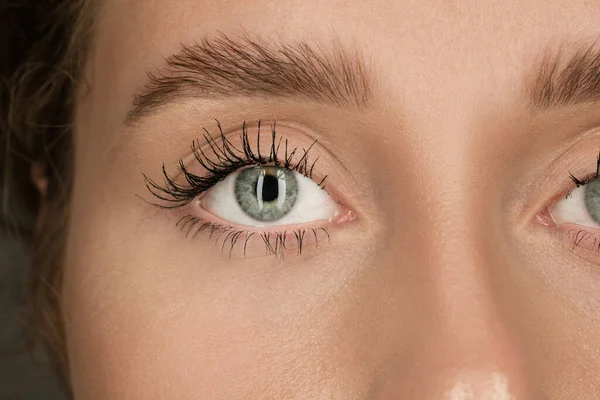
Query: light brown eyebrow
(566, 79)
(252, 67)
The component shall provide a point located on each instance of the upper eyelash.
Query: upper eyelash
(228, 159)
(582, 182)
(586, 180)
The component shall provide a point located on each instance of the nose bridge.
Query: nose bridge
(465, 348)
(469, 348)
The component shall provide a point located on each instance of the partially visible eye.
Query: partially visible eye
(268, 196)
(581, 206)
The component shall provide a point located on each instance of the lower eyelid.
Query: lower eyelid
(582, 239)
(579, 239)
(235, 242)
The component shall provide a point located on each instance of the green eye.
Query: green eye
(592, 199)
(266, 193)
(269, 196)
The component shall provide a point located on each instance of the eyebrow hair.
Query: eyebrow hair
(222, 67)
(563, 80)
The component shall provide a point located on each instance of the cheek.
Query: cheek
(150, 314)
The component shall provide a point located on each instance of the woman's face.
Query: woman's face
(451, 255)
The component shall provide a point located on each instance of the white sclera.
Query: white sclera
(572, 210)
(312, 204)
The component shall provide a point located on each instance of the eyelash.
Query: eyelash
(227, 160)
(275, 242)
(586, 180)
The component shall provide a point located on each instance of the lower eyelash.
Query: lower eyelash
(276, 242)
(584, 239)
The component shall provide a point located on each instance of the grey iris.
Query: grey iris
(266, 193)
(592, 199)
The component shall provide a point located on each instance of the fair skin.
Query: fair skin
(445, 281)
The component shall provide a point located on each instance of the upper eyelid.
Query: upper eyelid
(553, 180)
(226, 156)
(582, 182)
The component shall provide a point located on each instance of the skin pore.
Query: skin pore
(444, 283)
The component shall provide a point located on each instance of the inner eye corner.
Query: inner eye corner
(575, 209)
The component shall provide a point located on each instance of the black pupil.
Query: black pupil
(270, 189)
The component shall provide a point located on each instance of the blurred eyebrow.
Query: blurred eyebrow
(566, 80)
(250, 67)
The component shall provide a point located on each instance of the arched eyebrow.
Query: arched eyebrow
(222, 67)
(566, 78)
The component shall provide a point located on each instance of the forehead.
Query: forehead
(389, 25)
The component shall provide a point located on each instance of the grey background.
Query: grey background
(23, 375)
